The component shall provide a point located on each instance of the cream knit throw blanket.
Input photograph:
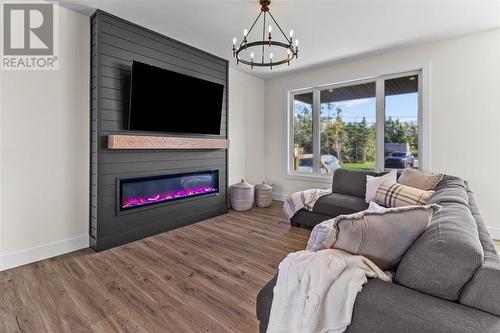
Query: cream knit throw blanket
(302, 199)
(315, 291)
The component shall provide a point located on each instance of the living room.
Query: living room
(199, 166)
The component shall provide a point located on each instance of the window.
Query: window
(303, 132)
(347, 128)
(364, 125)
(401, 122)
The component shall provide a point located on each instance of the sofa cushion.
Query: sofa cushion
(305, 218)
(392, 194)
(383, 307)
(339, 204)
(420, 179)
(373, 183)
(484, 236)
(447, 254)
(390, 308)
(380, 235)
(483, 290)
(351, 182)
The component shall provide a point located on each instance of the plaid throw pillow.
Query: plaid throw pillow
(393, 194)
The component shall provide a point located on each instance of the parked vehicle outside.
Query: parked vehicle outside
(305, 164)
(400, 159)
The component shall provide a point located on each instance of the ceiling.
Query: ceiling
(396, 86)
(329, 30)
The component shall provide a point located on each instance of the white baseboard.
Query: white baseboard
(279, 196)
(37, 253)
(494, 232)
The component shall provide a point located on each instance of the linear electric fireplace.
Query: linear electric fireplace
(145, 191)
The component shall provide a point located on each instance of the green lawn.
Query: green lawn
(359, 166)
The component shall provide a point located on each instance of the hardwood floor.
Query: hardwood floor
(200, 278)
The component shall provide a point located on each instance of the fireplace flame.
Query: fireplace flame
(161, 197)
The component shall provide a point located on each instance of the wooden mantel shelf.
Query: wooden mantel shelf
(164, 142)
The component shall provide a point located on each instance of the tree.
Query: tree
(394, 131)
(402, 132)
(338, 132)
(302, 129)
(363, 137)
(352, 142)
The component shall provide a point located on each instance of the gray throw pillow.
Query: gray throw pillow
(382, 236)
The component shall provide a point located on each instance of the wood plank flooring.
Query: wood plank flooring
(200, 278)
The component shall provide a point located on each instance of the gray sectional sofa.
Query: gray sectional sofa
(447, 281)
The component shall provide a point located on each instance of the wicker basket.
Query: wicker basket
(242, 196)
(263, 195)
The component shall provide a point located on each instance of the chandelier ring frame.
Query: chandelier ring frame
(265, 43)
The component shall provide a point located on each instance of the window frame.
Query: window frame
(380, 122)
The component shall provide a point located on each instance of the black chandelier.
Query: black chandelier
(290, 45)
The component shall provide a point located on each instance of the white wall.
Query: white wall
(464, 86)
(246, 127)
(44, 152)
(44, 132)
(44, 148)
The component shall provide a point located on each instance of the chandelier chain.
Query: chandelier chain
(284, 35)
(263, 36)
(249, 30)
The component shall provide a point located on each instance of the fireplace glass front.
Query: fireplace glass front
(139, 192)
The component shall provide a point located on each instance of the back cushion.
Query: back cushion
(448, 253)
(351, 182)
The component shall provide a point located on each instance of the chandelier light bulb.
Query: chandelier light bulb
(245, 32)
(291, 33)
(251, 55)
(270, 29)
(270, 56)
(296, 42)
(234, 41)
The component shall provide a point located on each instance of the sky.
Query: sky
(404, 107)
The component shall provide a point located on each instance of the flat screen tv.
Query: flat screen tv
(166, 101)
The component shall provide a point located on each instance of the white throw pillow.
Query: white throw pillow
(375, 207)
(373, 183)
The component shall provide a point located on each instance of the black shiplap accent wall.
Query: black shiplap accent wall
(115, 43)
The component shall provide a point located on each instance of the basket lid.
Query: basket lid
(263, 186)
(242, 184)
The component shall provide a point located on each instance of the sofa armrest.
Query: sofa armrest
(391, 308)
(483, 290)
(264, 302)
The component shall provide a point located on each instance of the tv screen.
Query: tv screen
(166, 101)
